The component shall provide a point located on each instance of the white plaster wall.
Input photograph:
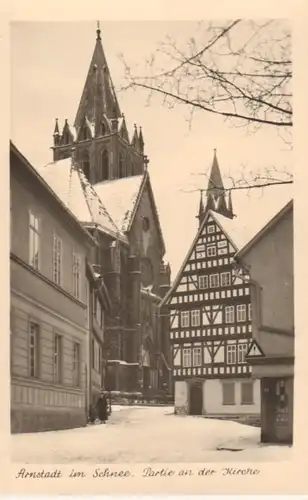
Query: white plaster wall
(181, 396)
(212, 398)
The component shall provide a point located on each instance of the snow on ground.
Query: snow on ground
(147, 434)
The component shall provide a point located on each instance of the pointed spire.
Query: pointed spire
(56, 131)
(135, 139)
(215, 184)
(98, 96)
(141, 141)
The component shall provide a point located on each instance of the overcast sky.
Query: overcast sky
(49, 63)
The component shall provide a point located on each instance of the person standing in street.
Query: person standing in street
(101, 407)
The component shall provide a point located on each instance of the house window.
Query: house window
(76, 276)
(211, 251)
(229, 314)
(57, 351)
(197, 356)
(249, 312)
(184, 318)
(57, 260)
(214, 280)
(203, 281)
(34, 241)
(186, 358)
(241, 312)
(104, 165)
(231, 354)
(228, 393)
(225, 279)
(33, 349)
(76, 364)
(247, 393)
(195, 317)
(211, 229)
(242, 351)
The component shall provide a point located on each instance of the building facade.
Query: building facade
(269, 259)
(49, 327)
(210, 318)
(105, 181)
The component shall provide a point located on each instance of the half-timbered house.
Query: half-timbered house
(210, 317)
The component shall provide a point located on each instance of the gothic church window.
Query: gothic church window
(85, 134)
(104, 165)
(103, 129)
(121, 166)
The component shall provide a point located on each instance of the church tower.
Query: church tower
(99, 135)
(216, 197)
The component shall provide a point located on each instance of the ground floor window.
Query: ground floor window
(247, 393)
(228, 393)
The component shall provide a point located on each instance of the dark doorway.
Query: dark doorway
(195, 400)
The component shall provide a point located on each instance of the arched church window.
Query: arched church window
(85, 134)
(103, 128)
(85, 163)
(121, 166)
(105, 165)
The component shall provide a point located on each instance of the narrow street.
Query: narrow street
(137, 434)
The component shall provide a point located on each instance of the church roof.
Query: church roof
(120, 197)
(72, 187)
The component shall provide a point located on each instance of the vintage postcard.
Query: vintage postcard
(157, 253)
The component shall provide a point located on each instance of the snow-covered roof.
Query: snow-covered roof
(120, 197)
(253, 210)
(77, 194)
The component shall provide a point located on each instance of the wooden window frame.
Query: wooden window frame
(231, 350)
(197, 355)
(241, 309)
(209, 249)
(210, 227)
(187, 355)
(76, 364)
(185, 316)
(241, 348)
(57, 255)
(229, 310)
(205, 279)
(34, 240)
(210, 280)
(195, 317)
(224, 275)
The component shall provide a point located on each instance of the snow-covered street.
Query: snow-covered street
(148, 434)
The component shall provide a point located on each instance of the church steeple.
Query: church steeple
(99, 134)
(98, 97)
(216, 197)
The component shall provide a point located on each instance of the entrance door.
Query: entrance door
(195, 400)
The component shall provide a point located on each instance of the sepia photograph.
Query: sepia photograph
(151, 242)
